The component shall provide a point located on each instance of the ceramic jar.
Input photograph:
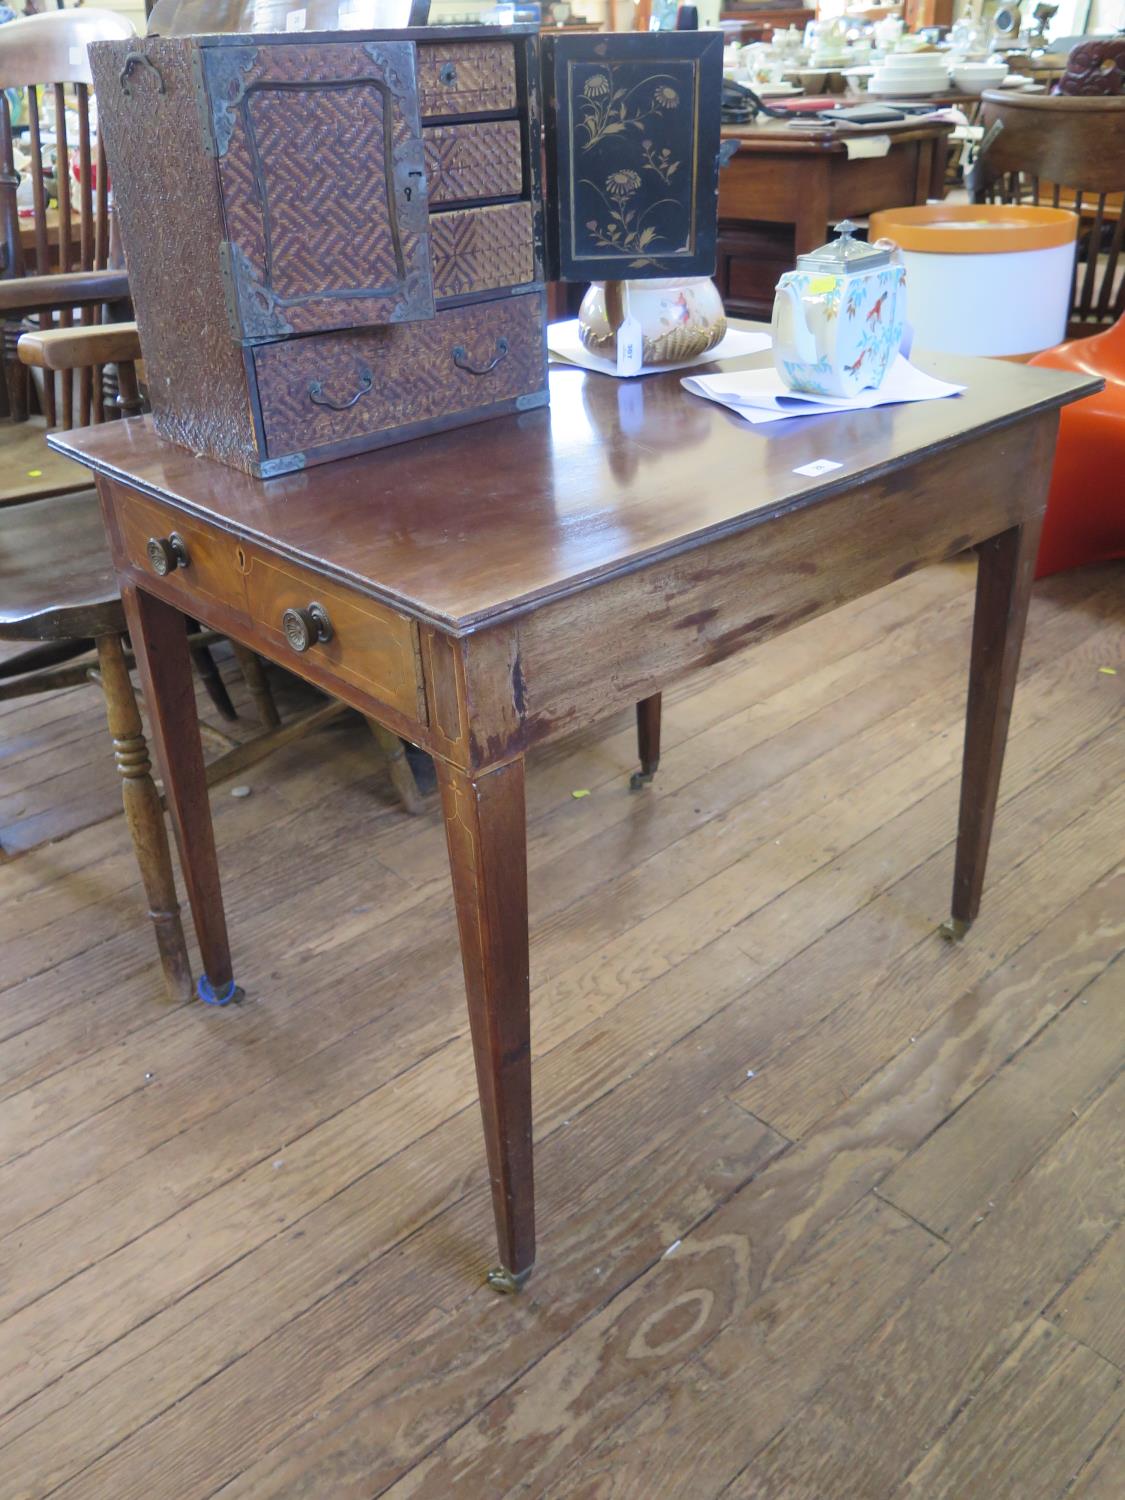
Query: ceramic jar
(838, 318)
(680, 319)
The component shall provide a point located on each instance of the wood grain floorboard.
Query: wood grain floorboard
(240, 1253)
(1092, 1307)
(1030, 1429)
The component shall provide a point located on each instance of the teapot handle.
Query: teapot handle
(802, 333)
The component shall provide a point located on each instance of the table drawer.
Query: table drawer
(473, 161)
(466, 78)
(212, 571)
(368, 645)
(336, 387)
(481, 249)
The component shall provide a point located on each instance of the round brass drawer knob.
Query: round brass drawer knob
(167, 553)
(306, 627)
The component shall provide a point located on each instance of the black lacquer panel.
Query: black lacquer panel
(632, 150)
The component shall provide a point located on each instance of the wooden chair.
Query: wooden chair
(57, 267)
(1070, 153)
(43, 59)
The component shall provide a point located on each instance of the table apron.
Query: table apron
(578, 659)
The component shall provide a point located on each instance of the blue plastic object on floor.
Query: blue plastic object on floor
(211, 996)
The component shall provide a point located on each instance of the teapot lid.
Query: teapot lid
(844, 256)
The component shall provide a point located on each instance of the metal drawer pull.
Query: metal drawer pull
(448, 73)
(461, 358)
(167, 553)
(138, 60)
(306, 627)
(318, 398)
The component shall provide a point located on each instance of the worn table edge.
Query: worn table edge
(1075, 388)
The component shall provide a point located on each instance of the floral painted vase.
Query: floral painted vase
(837, 333)
(680, 318)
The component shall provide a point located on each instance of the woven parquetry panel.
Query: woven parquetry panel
(473, 161)
(168, 212)
(479, 249)
(313, 141)
(469, 78)
(412, 372)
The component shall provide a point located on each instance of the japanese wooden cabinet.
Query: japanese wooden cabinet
(334, 241)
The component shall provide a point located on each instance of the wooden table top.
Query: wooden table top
(813, 135)
(470, 526)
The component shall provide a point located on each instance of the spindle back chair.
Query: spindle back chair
(1065, 152)
(50, 136)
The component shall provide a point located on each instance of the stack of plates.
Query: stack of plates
(904, 74)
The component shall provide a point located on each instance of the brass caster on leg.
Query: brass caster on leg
(500, 1279)
(640, 779)
(954, 928)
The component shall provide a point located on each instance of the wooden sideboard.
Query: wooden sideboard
(787, 185)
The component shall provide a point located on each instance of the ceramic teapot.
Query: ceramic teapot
(838, 318)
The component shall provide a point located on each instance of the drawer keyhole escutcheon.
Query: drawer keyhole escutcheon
(306, 627)
(167, 553)
(448, 74)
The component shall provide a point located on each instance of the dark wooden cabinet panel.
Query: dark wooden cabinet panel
(632, 151)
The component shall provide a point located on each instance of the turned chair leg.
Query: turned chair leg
(648, 742)
(254, 675)
(402, 777)
(144, 815)
(212, 680)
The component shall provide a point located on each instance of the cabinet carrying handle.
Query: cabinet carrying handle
(461, 358)
(139, 60)
(318, 398)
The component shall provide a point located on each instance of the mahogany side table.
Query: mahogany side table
(483, 591)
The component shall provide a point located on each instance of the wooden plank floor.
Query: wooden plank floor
(830, 1208)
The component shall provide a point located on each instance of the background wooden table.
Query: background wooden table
(787, 185)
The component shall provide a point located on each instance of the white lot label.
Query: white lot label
(630, 347)
(818, 466)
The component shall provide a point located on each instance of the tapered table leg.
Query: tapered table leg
(486, 832)
(1005, 569)
(648, 741)
(144, 816)
(161, 649)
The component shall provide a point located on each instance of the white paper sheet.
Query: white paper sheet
(762, 396)
(565, 346)
(860, 146)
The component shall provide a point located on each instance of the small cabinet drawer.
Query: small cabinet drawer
(347, 636)
(466, 78)
(473, 161)
(481, 249)
(334, 388)
(185, 561)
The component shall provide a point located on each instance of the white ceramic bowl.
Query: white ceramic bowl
(883, 82)
(971, 78)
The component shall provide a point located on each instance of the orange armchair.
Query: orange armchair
(1086, 510)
